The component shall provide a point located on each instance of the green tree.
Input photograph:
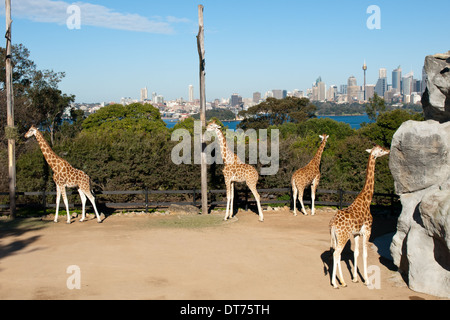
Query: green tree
(275, 112)
(382, 131)
(375, 106)
(134, 117)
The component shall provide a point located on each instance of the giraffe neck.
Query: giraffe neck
(367, 192)
(315, 162)
(49, 155)
(227, 155)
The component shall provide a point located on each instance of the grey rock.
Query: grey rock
(420, 155)
(420, 165)
(436, 98)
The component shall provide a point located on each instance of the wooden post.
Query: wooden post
(10, 115)
(201, 53)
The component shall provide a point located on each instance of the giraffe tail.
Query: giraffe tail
(333, 237)
(333, 244)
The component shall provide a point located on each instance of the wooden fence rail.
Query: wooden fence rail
(196, 201)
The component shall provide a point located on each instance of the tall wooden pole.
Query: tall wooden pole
(10, 114)
(201, 53)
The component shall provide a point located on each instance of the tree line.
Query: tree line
(129, 147)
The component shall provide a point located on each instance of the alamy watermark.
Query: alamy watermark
(74, 280)
(258, 147)
(374, 20)
(74, 19)
(374, 277)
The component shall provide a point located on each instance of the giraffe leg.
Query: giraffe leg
(83, 204)
(92, 200)
(366, 237)
(294, 197)
(336, 266)
(228, 200)
(258, 201)
(66, 202)
(314, 186)
(355, 259)
(300, 198)
(58, 200)
(230, 215)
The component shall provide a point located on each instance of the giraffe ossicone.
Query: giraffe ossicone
(356, 221)
(64, 175)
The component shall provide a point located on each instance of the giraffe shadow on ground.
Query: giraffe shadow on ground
(346, 258)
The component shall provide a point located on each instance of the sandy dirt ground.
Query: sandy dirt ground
(166, 258)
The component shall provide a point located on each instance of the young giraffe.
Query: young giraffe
(355, 220)
(309, 175)
(64, 176)
(235, 171)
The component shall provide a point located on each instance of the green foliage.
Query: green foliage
(376, 105)
(222, 114)
(275, 112)
(135, 117)
(382, 131)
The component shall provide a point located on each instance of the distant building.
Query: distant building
(407, 82)
(321, 88)
(370, 91)
(352, 89)
(351, 82)
(144, 94)
(332, 93)
(381, 87)
(256, 97)
(397, 79)
(382, 73)
(279, 94)
(236, 100)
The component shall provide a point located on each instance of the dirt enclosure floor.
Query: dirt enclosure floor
(161, 257)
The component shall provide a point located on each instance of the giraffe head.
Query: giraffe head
(378, 151)
(324, 137)
(213, 126)
(31, 132)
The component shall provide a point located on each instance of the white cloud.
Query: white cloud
(49, 11)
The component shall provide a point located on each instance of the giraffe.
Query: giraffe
(309, 175)
(235, 171)
(64, 176)
(355, 220)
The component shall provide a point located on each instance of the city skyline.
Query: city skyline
(119, 47)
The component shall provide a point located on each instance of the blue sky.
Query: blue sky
(251, 45)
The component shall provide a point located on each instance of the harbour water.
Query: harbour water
(353, 121)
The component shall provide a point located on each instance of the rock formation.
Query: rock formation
(420, 165)
(436, 98)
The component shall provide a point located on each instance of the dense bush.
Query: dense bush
(129, 148)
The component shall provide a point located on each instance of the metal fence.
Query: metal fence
(243, 198)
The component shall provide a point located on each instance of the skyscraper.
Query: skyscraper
(321, 94)
(407, 81)
(382, 84)
(236, 100)
(279, 94)
(352, 89)
(396, 79)
(144, 94)
(256, 97)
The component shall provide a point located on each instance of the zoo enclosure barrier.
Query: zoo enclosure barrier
(242, 198)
